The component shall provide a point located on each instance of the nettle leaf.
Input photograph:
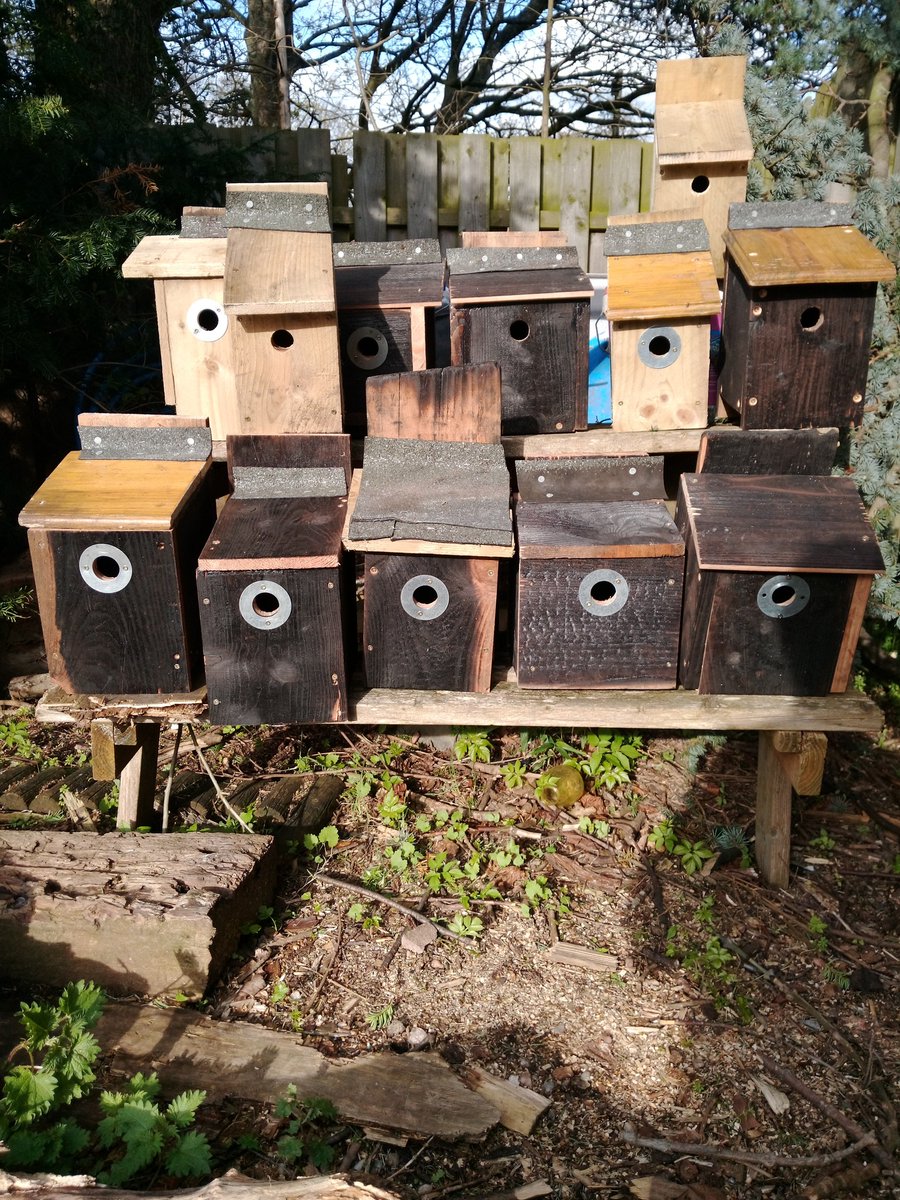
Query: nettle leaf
(39, 1021)
(144, 1087)
(191, 1156)
(137, 1120)
(291, 1148)
(138, 1155)
(28, 1092)
(26, 1148)
(182, 1110)
(82, 1001)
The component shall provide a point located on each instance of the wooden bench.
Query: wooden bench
(792, 729)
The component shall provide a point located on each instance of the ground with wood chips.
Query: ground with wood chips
(612, 977)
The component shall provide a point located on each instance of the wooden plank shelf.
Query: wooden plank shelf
(602, 442)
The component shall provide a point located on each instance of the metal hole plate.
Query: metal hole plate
(772, 607)
(88, 560)
(264, 620)
(367, 362)
(603, 608)
(424, 612)
(646, 355)
(192, 320)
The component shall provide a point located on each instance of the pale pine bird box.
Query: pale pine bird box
(702, 146)
(115, 533)
(662, 293)
(387, 297)
(527, 309)
(777, 577)
(800, 284)
(279, 297)
(195, 333)
(275, 594)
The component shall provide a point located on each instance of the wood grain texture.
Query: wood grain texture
(290, 450)
(453, 651)
(785, 257)
(389, 286)
(796, 356)
(701, 131)
(137, 913)
(780, 523)
(470, 239)
(474, 181)
(173, 257)
(137, 781)
(524, 184)
(720, 184)
(636, 477)
(198, 376)
(446, 404)
(653, 286)
(542, 351)
(294, 672)
(844, 665)
(369, 191)
(100, 420)
(272, 271)
(601, 441)
(422, 185)
(293, 388)
(726, 451)
(560, 644)
(747, 651)
(773, 815)
(714, 78)
(670, 397)
(394, 326)
(112, 494)
(496, 287)
(614, 529)
(286, 532)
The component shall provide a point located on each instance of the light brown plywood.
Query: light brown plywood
(274, 271)
(176, 258)
(471, 239)
(673, 397)
(652, 286)
(835, 254)
(703, 133)
(287, 375)
(455, 404)
(111, 494)
(720, 184)
(684, 80)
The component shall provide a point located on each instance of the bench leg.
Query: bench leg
(132, 759)
(788, 762)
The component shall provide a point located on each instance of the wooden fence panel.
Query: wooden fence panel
(422, 186)
(524, 183)
(369, 187)
(575, 193)
(474, 181)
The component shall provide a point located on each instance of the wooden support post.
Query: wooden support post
(788, 761)
(131, 757)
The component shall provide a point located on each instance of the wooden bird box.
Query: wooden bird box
(279, 296)
(432, 517)
(777, 577)
(114, 533)
(702, 145)
(662, 293)
(196, 335)
(387, 296)
(599, 594)
(526, 309)
(800, 285)
(275, 600)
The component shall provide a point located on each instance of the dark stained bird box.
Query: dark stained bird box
(599, 595)
(431, 514)
(799, 308)
(114, 533)
(662, 293)
(387, 294)
(702, 146)
(196, 334)
(777, 577)
(526, 309)
(273, 592)
(279, 296)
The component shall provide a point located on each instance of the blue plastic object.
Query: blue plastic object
(599, 396)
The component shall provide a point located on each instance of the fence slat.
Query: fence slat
(500, 182)
(575, 194)
(448, 188)
(524, 183)
(395, 175)
(551, 178)
(369, 187)
(422, 186)
(474, 181)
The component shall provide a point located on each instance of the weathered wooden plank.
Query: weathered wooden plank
(395, 180)
(575, 194)
(524, 183)
(369, 185)
(422, 185)
(414, 1093)
(231, 1186)
(137, 913)
(474, 181)
(601, 441)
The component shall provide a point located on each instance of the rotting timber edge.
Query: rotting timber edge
(791, 731)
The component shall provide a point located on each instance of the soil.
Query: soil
(715, 1014)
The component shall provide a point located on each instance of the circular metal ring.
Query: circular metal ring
(783, 596)
(207, 320)
(101, 576)
(367, 362)
(668, 337)
(268, 616)
(424, 610)
(615, 601)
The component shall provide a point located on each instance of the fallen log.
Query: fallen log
(232, 1186)
(149, 914)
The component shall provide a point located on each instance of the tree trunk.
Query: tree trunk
(262, 59)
